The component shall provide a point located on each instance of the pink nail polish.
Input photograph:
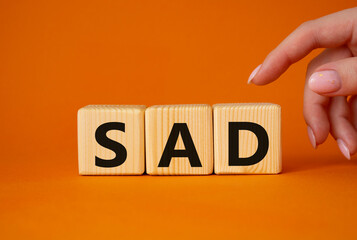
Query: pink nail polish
(325, 81)
(252, 75)
(311, 135)
(343, 147)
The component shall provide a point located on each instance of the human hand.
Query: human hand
(330, 79)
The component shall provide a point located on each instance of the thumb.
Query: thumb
(337, 78)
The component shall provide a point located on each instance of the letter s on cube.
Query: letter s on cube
(247, 138)
(111, 140)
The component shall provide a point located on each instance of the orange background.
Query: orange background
(57, 56)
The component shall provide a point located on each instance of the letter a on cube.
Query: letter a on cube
(247, 138)
(179, 140)
(111, 140)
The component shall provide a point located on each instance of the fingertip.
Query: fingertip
(321, 132)
(342, 128)
(312, 137)
(316, 119)
(343, 148)
(323, 82)
(253, 74)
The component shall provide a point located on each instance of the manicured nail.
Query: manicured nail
(343, 148)
(252, 75)
(325, 81)
(311, 135)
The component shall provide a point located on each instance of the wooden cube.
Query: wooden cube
(247, 138)
(179, 140)
(111, 140)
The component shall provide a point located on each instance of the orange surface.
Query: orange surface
(57, 56)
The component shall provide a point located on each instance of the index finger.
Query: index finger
(330, 31)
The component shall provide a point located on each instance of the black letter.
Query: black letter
(103, 140)
(263, 143)
(190, 150)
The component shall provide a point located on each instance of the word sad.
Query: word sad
(179, 139)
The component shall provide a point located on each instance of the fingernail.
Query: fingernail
(325, 81)
(252, 75)
(343, 148)
(311, 135)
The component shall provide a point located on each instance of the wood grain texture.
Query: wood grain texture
(159, 121)
(90, 118)
(265, 114)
